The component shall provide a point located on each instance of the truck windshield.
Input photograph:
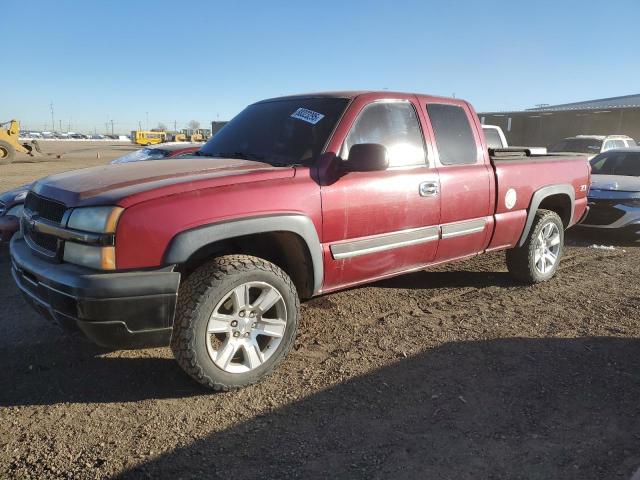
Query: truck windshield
(617, 164)
(578, 145)
(280, 132)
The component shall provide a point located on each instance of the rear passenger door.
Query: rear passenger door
(465, 181)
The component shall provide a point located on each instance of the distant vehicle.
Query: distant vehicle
(11, 205)
(97, 137)
(496, 139)
(592, 145)
(142, 137)
(614, 197)
(494, 136)
(166, 150)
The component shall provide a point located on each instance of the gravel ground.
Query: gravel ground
(73, 155)
(454, 373)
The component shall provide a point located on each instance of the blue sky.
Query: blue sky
(118, 60)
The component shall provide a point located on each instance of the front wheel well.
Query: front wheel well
(285, 249)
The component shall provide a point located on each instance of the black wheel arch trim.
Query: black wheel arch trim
(538, 197)
(186, 243)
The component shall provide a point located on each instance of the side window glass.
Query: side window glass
(454, 138)
(392, 124)
(608, 145)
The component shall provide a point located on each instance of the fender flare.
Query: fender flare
(537, 198)
(186, 243)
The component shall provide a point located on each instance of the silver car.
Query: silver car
(614, 197)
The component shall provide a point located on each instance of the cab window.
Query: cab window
(454, 138)
(392, 124)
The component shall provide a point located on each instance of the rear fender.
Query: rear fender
(538, 197)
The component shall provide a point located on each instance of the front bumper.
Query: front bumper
(118, 310)
(612, 214)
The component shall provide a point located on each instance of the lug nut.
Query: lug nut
(254, 325)
(242, 314)
(246, 334)
(236, 334)
(234, 323)
(252, 314)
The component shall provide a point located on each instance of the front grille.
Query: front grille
(48, 210)
(45, 208)
(46, 242)
(604, 213)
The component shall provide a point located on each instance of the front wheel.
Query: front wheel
(537, 260)
(236, 320)
(7, 152)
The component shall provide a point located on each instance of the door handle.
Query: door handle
(429, 189)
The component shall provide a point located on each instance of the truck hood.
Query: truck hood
(129, 183)
(622, 183)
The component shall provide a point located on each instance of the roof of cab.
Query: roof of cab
(351, 94)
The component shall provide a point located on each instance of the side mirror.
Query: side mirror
(367, 157)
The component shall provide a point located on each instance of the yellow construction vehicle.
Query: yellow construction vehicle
(9, 143)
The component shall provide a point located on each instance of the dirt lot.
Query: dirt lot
(73, 155)
(455, 373)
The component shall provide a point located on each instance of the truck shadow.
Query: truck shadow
(72, 370)
(506, 408)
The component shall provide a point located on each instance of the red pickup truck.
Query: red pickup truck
(295, 197)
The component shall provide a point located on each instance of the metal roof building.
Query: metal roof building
(547, 124)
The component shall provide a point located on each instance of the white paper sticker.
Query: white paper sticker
(307, 115)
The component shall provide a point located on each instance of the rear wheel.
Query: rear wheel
(7, 153)
(236, 320)
(537, 260)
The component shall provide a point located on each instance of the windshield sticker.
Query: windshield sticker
(307, 115)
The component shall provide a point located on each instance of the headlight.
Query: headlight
(95, 219)
(100, 258)
(16, 210)
(21, 196)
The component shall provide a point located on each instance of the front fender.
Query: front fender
(186, 243)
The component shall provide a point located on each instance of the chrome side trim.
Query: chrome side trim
(46, 227)
(452, 230)
(403, 238)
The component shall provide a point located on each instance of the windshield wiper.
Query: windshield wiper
(250, 156)
(202, 154)
(240, 155)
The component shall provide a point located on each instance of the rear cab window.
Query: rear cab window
(454, 137)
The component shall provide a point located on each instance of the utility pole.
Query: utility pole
(60, 124)
(139, 125)
(53, 124)
(175, 125)
(111, 127)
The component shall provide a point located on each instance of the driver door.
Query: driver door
(382, 222)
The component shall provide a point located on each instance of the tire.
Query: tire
(532, 262)
(214, 288)
(7, 153)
